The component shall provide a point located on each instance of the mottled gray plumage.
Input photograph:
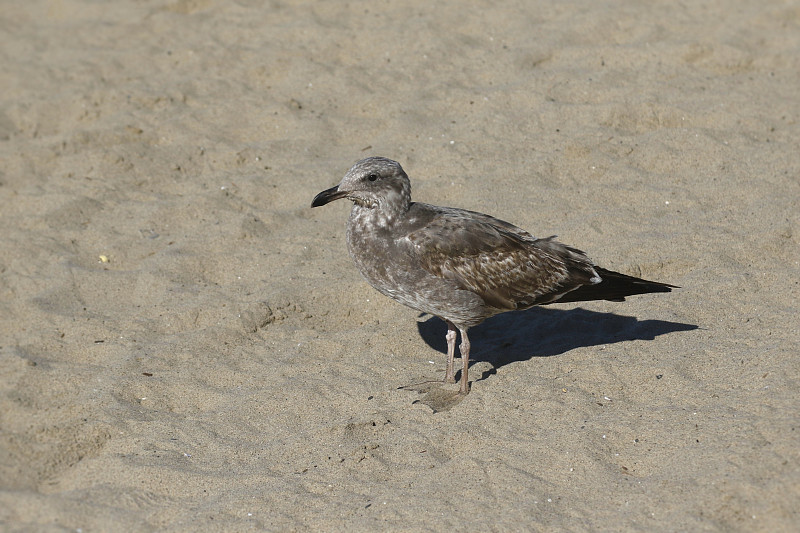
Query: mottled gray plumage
(460, 265)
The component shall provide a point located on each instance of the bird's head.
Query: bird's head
(374, 182)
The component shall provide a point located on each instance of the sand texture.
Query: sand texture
(186, 346)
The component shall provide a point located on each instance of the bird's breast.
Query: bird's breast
(383, 255)
(372, 245)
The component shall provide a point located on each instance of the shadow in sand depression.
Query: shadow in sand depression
(543, 332)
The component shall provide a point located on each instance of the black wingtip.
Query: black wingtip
(615, 287)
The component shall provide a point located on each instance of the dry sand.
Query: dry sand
(227, 369)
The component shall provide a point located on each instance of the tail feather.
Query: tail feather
(614, 287)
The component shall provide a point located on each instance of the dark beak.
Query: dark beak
(327, 196)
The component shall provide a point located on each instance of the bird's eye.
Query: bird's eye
(372, 177)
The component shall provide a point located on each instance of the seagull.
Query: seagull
(461, 266)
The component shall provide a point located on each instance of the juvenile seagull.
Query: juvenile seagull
(460, 265)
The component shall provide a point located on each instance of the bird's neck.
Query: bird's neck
(377, 216)
(383, 211)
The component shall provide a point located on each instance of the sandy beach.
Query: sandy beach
(185, 345)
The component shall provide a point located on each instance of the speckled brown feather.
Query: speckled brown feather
(509, 270)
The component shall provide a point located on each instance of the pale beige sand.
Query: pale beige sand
(228, 369)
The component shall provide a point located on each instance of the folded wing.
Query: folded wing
(503, 264)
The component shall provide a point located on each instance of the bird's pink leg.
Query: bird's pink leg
(465, 361)
(450, 375)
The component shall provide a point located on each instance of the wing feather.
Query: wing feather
(503, 264)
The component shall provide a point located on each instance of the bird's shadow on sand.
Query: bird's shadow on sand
(537, 332)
